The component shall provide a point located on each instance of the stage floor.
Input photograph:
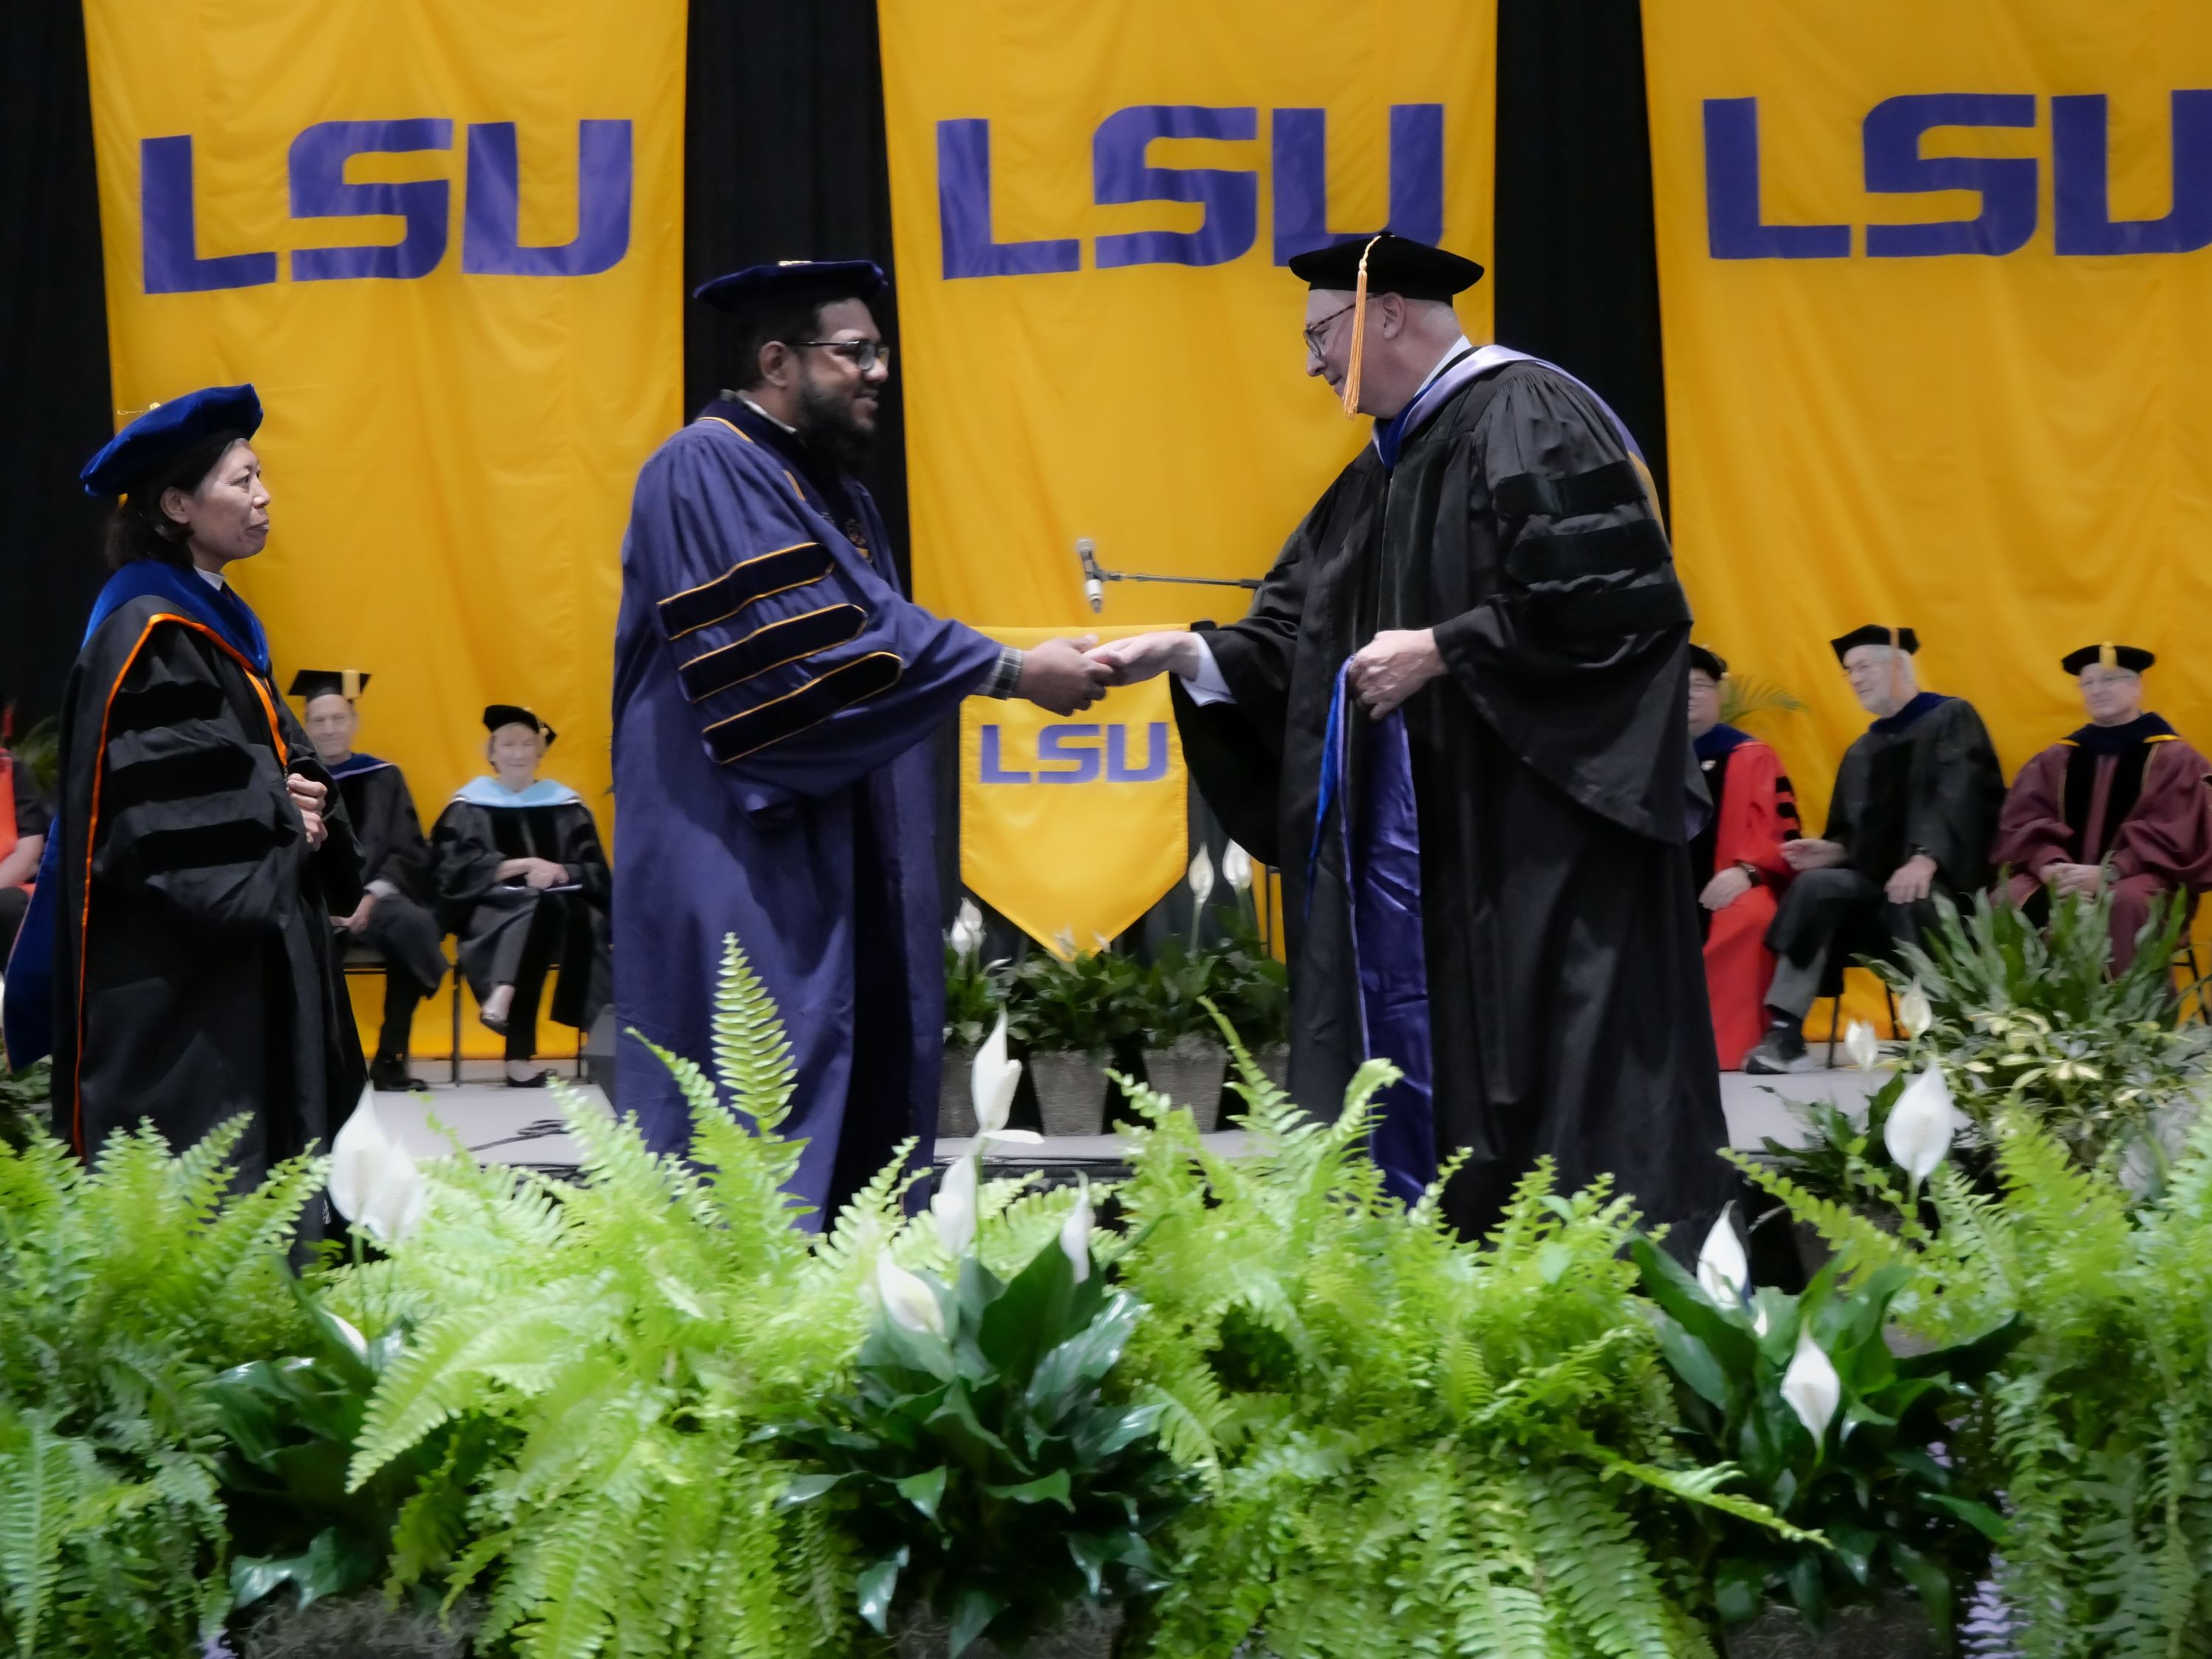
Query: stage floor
(523, 1126)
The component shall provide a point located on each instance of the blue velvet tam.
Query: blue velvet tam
(167, 431)
(793, 282)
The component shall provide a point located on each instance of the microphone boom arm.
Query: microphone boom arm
(1094, 576)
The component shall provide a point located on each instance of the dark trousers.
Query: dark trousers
(402, 996)
(1826, 916)
(524, 965)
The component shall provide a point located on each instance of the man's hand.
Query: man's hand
(1142, 656)
(1913, 881)
(1811, 853)
(2070, 880)
(1725, 889)
(1393, 666)
(1057, 676)
(544, 872)
(359, 919)
(307, 796)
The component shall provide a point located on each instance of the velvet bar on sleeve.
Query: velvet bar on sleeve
(777, 700)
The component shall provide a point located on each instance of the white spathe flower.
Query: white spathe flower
(907, 1298)
(1861, 1044)
(1811, 1386)
(954, 1208)
(991, 1085)
(374, 1182)
(1236, 868)
(1918, 1132)
(1723, 1271)
(1914, 1014)
(967, 934)
(1201, 876)
(1075, 1232)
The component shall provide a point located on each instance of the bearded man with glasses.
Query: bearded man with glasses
(777, 695)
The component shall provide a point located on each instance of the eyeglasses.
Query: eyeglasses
(865, 354)
(1317, 333)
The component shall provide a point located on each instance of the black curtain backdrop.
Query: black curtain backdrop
(784, 159)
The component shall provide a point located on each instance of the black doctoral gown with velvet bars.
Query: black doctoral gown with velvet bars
(1551, 768)
(482, 829)
(195, 975)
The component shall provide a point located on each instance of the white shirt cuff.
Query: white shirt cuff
(1207, 686)
(382, 888)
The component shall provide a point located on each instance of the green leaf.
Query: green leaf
(1739, 1590)
(806, 1488)
(1980, 1516)
(1083, 1360)
(924, 1492)
(972, 1613)
(1667, 1282)
(334, 1564)
(1693, 1361)
(1929, 1581)
(877, 1585)
(1045, 1489)
(1855, 1547)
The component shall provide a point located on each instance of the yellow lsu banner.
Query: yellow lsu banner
(1072, 828)
(1093, 205)
(445, 244)
(1936, 281)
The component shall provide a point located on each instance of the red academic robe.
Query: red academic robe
(2132, 797)
(1754, 812)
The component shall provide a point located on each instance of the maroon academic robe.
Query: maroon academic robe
(2132, 797)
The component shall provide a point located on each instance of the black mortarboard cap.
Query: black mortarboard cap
(1711, 661)
(513, 714)
(167, 431)
(312, 683)
(1412, 271)
(793, 282)
(2133, 658)
(1876, 634)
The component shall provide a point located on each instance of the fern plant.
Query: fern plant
(2100, 1421)
(1410, 1444)
(124, 1288)
(633, 1333)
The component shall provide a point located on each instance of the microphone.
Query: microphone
(1094, 580)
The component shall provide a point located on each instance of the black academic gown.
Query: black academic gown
(1551, 768)
(491, 918)
(195, 975)
(402, 927)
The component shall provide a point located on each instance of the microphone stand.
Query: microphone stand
(1095, 576)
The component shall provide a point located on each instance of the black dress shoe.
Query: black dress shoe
(535, 1080)
(1781, 1050)
(388, 1073)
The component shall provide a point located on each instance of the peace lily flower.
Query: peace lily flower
(1236, 868)
(907, 1299)
(1919, 1132)
(967, 935)
(1860, 1044)
(954, 1208)
(374, 1183)
(1723, 1271)
(1811, 1386)
(991, 1082)
(1914, 1014)
(1201, 876)
(1075, 1232)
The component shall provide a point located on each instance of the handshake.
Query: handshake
(1066, 676)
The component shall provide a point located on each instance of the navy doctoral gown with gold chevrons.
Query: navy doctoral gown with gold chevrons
(776, 699)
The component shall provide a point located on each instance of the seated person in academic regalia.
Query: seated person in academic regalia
(2121, 806)
(1914, 806)
(1737, 861)
(394, 918)
(524, 884)
(24, 819)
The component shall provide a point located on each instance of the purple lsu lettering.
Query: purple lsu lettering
(1078, 743)
(491, 244)
(1893, 138)
(1229, 225)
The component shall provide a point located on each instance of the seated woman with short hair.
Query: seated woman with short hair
(523, 882)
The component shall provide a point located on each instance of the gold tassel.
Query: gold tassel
(349, 683)
(1359, 333)
(2106, 656)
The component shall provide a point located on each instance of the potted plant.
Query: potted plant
(1075, 1006)
(1842, 1437)
(1253, 991)
(1184, 1059)
(999, 1494)
(975, 996)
